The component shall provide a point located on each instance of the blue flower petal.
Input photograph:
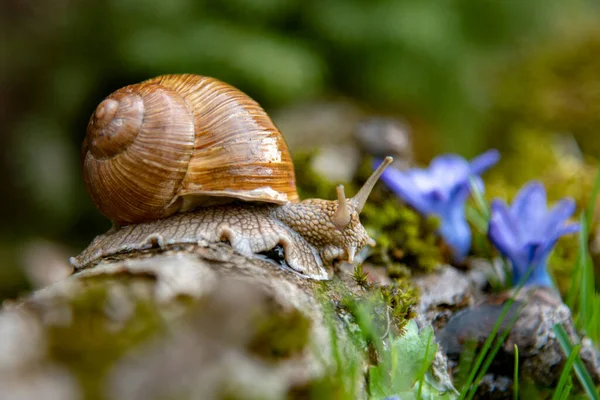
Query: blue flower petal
(454, 228)
(524, 258)
(449, 170)
(403, 186)
(436, 197)
(529, 207)
(484, 161)
(527, 232)
(568, 229)
(557, 216)
(463, 191)
(503, 230)
(423, 181)
(539, 276)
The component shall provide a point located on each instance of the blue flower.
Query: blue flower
(527, 231)
(442, 190)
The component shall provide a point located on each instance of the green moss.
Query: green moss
(279, 333)
(360, 277)
(91, 342)
(401, 298)
(404, 237)
(398, 271)
(391, 306)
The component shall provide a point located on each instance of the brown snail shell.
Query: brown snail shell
(174, 142)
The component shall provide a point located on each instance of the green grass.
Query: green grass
(516, 375)
(583, 299)
(581, 371)
(563, 388)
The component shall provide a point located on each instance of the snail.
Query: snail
(189, 159)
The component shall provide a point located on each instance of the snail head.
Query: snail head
(333, 226)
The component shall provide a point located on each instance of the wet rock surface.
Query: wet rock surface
(464, 315)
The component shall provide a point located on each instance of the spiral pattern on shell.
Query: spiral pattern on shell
(176, 142)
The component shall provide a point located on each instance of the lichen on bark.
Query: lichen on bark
(197, 321)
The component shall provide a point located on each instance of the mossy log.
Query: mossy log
(189, 322)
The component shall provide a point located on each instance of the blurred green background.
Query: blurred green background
(466, 74)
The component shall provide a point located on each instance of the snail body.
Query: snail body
(162, 159)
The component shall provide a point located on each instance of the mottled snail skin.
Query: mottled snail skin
(249, 229)
(162, 157)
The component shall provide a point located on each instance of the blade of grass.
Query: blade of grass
(482, 353)
(477, 219)
(593, 330)
(488, 342)
(584, 293)
(516, 375)
(586, 307)
(567, 391)
(479, 200)
(492, 354)
(582, 373)
(566, 372)
(425, 365)
(466, 361)
(574, 287)
(591, 207)
(506, 268)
